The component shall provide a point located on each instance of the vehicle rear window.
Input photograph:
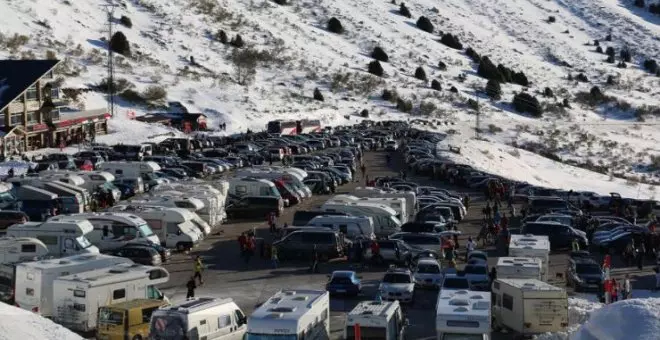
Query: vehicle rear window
(428, 269)
(481, 270)
(317, 238)
(588, 269)
(455, 283)
(396, 278)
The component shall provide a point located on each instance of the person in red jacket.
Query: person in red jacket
(375, 252)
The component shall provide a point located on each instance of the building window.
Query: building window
(16, 119)
(55, 93)
(49, 75)
(32, 117)
(31, 93)
(55, 115)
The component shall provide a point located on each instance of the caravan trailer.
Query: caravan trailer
(63, 237)
(292, 314)
(35, 279)
(377, 320)
(463, 314)
(21, 249)
(396, 203)
(519, 268)
(531, 246)
(385, 221)
(199, 318)
(181, 215)
(250, 186)
(409, 196)
(77, 297)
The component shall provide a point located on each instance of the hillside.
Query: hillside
(178, 52)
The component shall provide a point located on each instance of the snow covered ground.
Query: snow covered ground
(16, 323)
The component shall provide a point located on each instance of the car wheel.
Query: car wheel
(180, 247)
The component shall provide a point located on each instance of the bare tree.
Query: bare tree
(245, 65)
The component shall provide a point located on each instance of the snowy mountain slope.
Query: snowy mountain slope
(302, 55)
(16, 323)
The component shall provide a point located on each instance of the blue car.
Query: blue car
(343, 282)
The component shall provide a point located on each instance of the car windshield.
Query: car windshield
(481, 270)
(109, 186)
(396, 278)
(83, 242)
(7, 197)
(588, 269)
(342, 280)
(428, 269)
(145, 231)
(455, 283)
(107, 316)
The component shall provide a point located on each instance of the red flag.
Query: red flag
(357, 331)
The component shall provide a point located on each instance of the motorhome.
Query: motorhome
(130, 169)
(211, 210)
(376, 320)
(250, 186)
(200, 318)
(37, 203)
(35, 279)
(409, 196)
(353, 227)
(292, 314)
(288, 177)
(93, 180)
(21, 249)
(64, 237)
(77, 297)
(385, 221)
(529, 306)
(531, 246)
(113, 230)
(63, 176)
(519, 268)
(174, 227)
(190, 203)
(396, 203)
(72, 198)
(463, 314)
(185, 216)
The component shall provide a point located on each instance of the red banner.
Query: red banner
(358, 334)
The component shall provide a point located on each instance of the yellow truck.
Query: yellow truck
(126, 320)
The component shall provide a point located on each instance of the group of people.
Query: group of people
(494, 221)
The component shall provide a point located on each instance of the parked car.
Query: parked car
(398, 284)
(583, 274)
(300, 245)
(256, 207)
(142, 254)
(343, 282)
(428, 273)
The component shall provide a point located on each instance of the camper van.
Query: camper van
(92, 180)
(72, 200)
(354, 227)
(397, 204)
(291, 175)
(209, 213)
(529, 306)
(409, 196)
(64, 237)
(35, 279)
(190, 203)
(37, 203)
(77, 297)
(300, 189)
(213, 197)
(199, 318)
(385, 221)
(21, 249)
(519, 268)
(127, 320)
(377, 320)
(292, 314)
(463, 314)
(114, 230)
(130, 169)
(174, 226)
(249, 186)
(531, 246)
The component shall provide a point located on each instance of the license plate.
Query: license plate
(341, 290)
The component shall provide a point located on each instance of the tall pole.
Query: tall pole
(111, 68)
(477, 126)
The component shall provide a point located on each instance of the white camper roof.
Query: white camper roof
(148, 165)
(532, 285)
(147, 211)
(75, 226)
(286, 308)
(530, 242)
(73, 261)
(118, 273)
(475, 305)
(367, 313)
(366, 205)
(119, 217)
(195, 305)
(158, 200)
(522, 262)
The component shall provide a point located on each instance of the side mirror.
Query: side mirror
(406, 322)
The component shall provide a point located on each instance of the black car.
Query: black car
(583, 273)
(560, 235)
(142, 254)
(165, 253)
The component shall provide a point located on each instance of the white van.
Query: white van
(249, 186)
(63, 237)
(292, 314)
(35, 279)
(529, 306)
(92, 180)
(208, 213)
(173, 226)
(532, 246)
(519, 268)
(130, 169)
(114, 230)
(463, 314)
(377, 320)
(396, 203)
(385, 221)
(409, 196)
(199, 318)
(77, 297)
(21, 249)
(287, 177)
(354, 227)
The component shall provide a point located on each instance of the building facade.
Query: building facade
(33, 113)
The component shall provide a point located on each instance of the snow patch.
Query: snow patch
(579, 311)
(629, 319)
(16, 323)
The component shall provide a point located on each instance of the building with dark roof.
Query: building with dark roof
(32, 112)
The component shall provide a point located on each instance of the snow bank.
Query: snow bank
(629, 319)
(522, 165)
(16, 323)
(579, 311)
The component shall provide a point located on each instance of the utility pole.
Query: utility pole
(110, 8)
(477, 127)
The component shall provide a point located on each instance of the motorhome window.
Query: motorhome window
(317, 238)
(83, 242)
(507, 301)
(172, 228)
(239, 316)
(185, 205)
(118, 294)
(241, 190)
(29, 291)
(224, 321)
(108, 316)
(28, 248)
(145, 230)
(79, 293)
(156, 274)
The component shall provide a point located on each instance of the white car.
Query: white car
(428, 273)
(398, 284)
(391, 145)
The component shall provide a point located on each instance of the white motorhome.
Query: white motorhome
(529, 306)
(35, 279)
(190, 203)
(130, 169)
(186, 215)
(463, 314)
(288, 177)
(409, 196)
(209, 213)
(353, 227)
(292, 314)
(519, 268)
(77, 297)
(396, 203)
(64, 237)
(199, 318)
(249, 186)
(174, 226)
(113, 230)
(385, 221)
(21, 249)
(377, 320)
(93, 180)
(532, 246)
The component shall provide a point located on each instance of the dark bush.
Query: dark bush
(364, 113)
(582, 78)
(596, 42)
(453, 89)
(608, 37)
(424, 24)
(547, 92)
(488, 70)
(473, 104)
(596, 94)
(470, 52)
(610, 51)
(334, 26)
(493, 89)
(622, 64)
(379, 54)
(237, 41)
(552, 19)
(452, 41)
(506, 73)
(387, 95)
(318, 95)
(420, 73)
(280, 2)
(625, 55)
(404, 105)
(126, 21)
(610, 80)
(599, 49)
(119, 44)
(403, 10)
(524, 102)
(436, 85)
(640, 3)
(651, 65)
(610, 59)
(442, 66)
(375, 68)
(520, 78)
(222, 37)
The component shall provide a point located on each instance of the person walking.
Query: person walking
(471, 246)
(487, 210)
(627, 288)
(251, 247)
(273, 256)
(272, 222)
(375, 252)
(315, 261)
(199, 267)
(575, 245)
(191, 286)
